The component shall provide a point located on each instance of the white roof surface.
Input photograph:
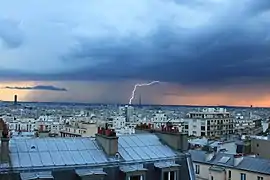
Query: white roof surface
(53, 152)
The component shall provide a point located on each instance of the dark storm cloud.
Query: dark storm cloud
(10, 33)
(202, 42)
(234, 46)
(40, 87)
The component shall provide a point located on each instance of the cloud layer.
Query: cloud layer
(213, 42)
(40, 88)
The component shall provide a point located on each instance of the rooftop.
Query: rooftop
(252, 164)
(40, 153)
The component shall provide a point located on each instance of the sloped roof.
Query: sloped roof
(80, 151)
(143, 147)
(258, 165)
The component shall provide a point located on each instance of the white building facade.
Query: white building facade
(209, 122)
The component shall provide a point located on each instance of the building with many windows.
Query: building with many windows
(209, 122)
(79, 129)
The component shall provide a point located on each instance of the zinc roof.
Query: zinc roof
(54, 152)
(258, 165)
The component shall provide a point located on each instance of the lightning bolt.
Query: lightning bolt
(140, 85)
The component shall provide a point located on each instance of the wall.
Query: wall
(194, 126)
(64, 175)
(112, 173)
(204, 170)
(217, 175)
(260, 147)
(152, 173)
(236, 174)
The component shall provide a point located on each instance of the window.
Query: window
(243, 176)
(172, 175)
(197, 169)
(212, 178)
(138, 177)
(166, 176)
(259, 178)
(203, 134)
(169, 175)
(257, 145)
(229, 175)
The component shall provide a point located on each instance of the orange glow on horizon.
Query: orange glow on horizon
(217, 99)
(169, 94)
(8, 94)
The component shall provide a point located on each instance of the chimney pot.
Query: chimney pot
(5, 144)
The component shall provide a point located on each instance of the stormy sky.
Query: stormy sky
(198, 48)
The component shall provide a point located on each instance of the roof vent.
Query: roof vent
(117, 155)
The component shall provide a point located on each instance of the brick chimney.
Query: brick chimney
(168, 134)
(108, 140)
(5, 145)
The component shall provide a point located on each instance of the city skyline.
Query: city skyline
(163, 94)
(212, 52)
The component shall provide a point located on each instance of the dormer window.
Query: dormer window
(133, 172)
(168, 170)
(169, 175)
(136, 177)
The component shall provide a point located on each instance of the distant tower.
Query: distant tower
(15, 100)
(129, 110)
(126, 113)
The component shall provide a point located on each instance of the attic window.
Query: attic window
(224, 160)
(33, 147)
(135, 177)
(170, 175)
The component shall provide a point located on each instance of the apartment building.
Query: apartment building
(222, 166)
(144, 156)
(119, 122)
(209, 122)
(79, 129)
(248, 126)
(23, 124)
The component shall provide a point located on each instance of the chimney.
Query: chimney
(209, 155)
(237, 159)
(1, 127)
(168, 134)
(5, 145)
(108, 140)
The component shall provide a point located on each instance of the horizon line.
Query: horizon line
(137, 104)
